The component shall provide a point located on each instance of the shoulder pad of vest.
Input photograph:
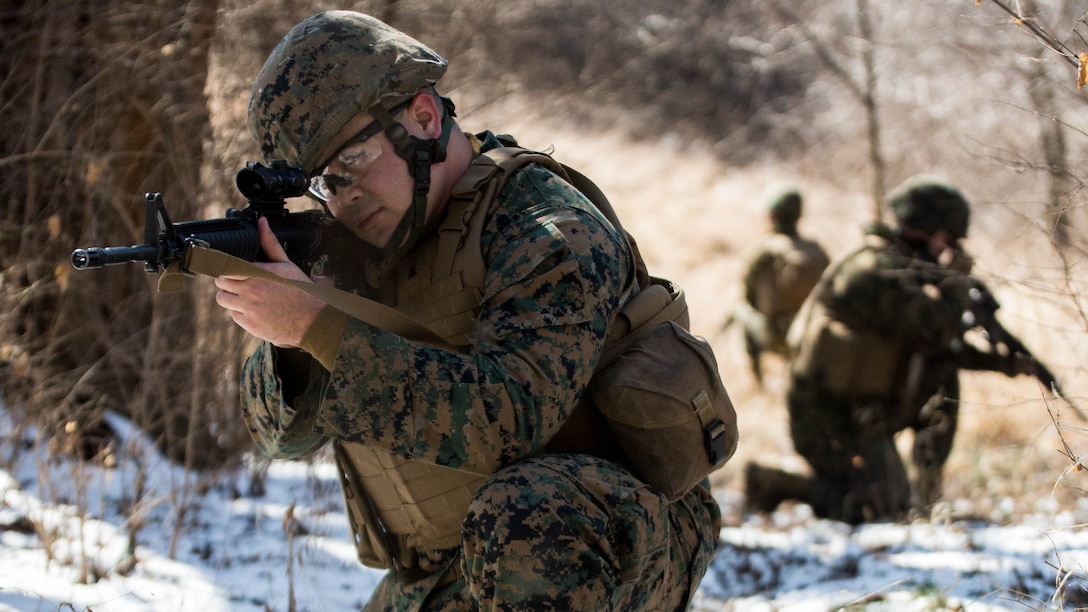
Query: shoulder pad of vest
(500, 163)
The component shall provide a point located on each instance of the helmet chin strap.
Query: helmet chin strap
(419, 154)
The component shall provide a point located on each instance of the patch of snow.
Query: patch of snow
(78, 537)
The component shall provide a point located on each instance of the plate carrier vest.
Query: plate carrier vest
(398, 508)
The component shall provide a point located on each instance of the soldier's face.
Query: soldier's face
(941, 241)
(369, 189)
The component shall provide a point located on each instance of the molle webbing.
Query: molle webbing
(398, 507)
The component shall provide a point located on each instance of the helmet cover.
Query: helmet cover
(929, 204)
(326, 70)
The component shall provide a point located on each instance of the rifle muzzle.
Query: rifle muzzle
(97, 257)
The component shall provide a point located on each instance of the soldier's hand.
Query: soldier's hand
(268, 310)
(1019, 363)
(956, 260)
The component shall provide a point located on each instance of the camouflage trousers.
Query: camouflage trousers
(858, 474)
(567, 532)
(850, 445)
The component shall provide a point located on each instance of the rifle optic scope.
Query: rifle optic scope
(274, 182)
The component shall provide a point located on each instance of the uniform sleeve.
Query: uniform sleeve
(555, 270)
(279, 393)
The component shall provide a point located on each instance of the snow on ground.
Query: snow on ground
(207, 544)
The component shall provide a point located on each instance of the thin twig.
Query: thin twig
(1048, 40)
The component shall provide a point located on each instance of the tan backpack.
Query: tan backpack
(800, 271)
(787, 271)
(843, 360)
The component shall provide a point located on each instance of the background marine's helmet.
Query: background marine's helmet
(929, 203)
(325, 71)
(783, 204)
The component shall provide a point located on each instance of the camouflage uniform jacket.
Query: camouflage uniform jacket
(555, 269)
(886, 307)
(883, 288)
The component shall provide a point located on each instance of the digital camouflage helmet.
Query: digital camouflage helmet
(928, 203)
(332, 67)
(326, 70)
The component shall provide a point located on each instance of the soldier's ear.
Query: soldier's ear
(424, 113)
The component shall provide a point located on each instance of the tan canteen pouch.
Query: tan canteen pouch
(662, 396)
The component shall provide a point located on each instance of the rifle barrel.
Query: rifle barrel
(97, 257)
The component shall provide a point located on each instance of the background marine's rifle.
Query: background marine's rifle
(306, 236)
(983, 315)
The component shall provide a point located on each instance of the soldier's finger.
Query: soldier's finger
(271, 245)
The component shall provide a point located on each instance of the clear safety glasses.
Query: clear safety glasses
(353, 159)
(351, 162)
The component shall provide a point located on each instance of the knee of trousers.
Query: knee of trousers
(561, 512)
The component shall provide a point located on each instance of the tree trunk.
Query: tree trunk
(104, 101)
(872, 117)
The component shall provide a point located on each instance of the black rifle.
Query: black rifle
(306, 236)
(983, 314)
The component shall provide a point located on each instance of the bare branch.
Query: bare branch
(1040, 34)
